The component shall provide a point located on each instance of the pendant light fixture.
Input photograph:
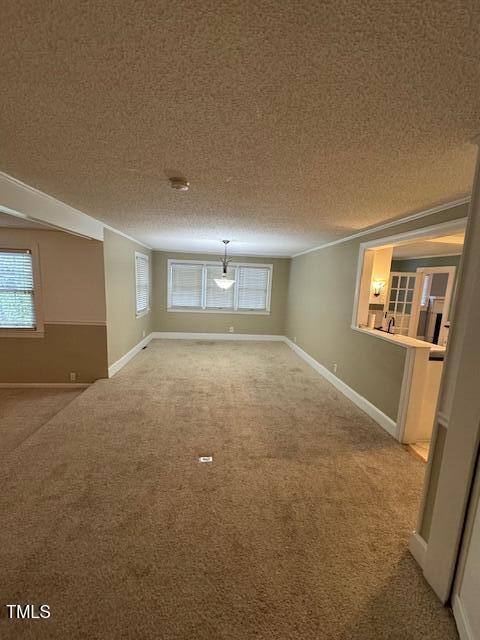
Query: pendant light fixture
(224, 282)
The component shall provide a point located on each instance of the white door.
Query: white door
(466, 593)
(400, 299)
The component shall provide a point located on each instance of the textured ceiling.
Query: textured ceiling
(296, 123)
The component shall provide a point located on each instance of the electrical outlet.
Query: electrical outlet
(231, 329)
(295, 339)
(335, 367)
(73, 376)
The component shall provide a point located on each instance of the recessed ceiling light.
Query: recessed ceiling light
(179, 184)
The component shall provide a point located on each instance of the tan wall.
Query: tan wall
(125, 330)
(64, 348)
(272, 324)
(73, 310)
(319, 316)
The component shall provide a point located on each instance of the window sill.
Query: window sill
(17, 333)
(142, 313)
(224, 311)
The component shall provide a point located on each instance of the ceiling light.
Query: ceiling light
(224, 282)
(179, 184)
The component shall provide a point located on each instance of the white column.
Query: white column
(459, 411)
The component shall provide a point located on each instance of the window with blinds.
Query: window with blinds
(142, 283)
(219, 298)
(17, 304)
(186, 285)
(252, 287)
(191, 286)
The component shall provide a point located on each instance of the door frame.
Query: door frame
(473, 512)
(421, 273)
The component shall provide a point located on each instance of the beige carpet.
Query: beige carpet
(298, 530)
(24, 410)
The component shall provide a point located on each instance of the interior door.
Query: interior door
(400, 299)
(466, 592)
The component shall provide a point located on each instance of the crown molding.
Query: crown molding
(388, 225)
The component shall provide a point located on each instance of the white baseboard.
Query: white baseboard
(121, 362)
(42, 385)
(362, 403)
(173, 335)
(464, 630)
(417, 547)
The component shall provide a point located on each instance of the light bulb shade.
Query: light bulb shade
(377, 286)
(224, 282)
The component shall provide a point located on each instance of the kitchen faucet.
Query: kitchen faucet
(391, 323)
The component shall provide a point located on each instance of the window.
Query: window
(192, 287)
(142, 283)
(17, 303)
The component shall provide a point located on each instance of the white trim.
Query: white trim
(21, 200)
(417, 547)
(228, 311)
(125, 359)
(393, 223)
(174, 335)
(463, 627)
(362, 403)
(41, 385)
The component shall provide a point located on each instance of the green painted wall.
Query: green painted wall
(319, 317)
(188, 322)
(124, 329)
(414, 264)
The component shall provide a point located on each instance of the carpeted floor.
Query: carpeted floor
(297, 531)
(24, 410)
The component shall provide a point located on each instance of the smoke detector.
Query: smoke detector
(179, 184)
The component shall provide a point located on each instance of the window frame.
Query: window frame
(204, 309)
(143, 312)
(39, 330)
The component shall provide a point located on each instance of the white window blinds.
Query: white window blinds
(17, 308)
(252, 288)
(219, 298)
(186, 285)
(142, 283)
(191, 286)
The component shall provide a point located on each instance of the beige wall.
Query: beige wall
(319, 316)
(65, 348)
(73, 310)
(273, 324)
(125, 330)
